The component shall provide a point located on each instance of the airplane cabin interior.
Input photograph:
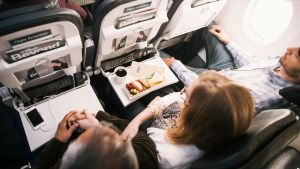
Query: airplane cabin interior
(53, 61)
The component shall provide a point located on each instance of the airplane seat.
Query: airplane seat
(172, 8)
(34, 41)
(186, 16)
(40, 61)
(125, 28)
(270, 132)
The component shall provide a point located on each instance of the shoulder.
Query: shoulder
(145, 151)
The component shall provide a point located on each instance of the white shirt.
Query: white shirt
(173, 156)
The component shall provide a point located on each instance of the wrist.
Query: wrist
(138, 121)
(173, 63)
(95, 123)
(62, 140)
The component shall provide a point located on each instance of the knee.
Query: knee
(205, 34)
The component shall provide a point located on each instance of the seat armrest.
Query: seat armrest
(288, 158)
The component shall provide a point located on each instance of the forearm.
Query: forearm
(240, 56)
(50, 155)
(185, 75)
(144, 116)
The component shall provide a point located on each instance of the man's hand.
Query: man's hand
(169, 61)
(64, 133)
(220, 33)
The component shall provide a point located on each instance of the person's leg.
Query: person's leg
(191, 68)
(191, 48)
(217, 55)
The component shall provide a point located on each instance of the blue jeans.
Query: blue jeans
(217, 55)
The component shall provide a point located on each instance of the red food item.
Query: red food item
(128, 86)
(137, 85)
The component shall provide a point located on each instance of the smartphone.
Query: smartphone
(35, 119)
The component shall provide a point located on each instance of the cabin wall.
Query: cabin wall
(232, 18)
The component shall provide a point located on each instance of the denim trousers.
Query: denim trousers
(217, 55)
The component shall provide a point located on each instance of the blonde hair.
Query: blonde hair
(219, 111)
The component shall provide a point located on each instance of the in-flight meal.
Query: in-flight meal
(138, 86)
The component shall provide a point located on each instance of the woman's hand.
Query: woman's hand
(131, 130)
(220, 33)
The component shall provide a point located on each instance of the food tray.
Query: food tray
(144, 92)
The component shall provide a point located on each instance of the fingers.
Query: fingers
(129, 132)
(88, 115)
(67, 116)
(75, 117)
(73, 128)
(214, 32)
(217, 27)
(123, 137)
(65, 120)
(83, 122)
(88, 123)
(71, 119)
(124, 134)
(169, 61)
(129, 137)
(79, 116)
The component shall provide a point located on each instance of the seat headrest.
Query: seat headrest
(292, 94)
(28, 20)
(264, 127)
(25, 7)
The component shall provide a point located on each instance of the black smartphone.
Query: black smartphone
(35, 119)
